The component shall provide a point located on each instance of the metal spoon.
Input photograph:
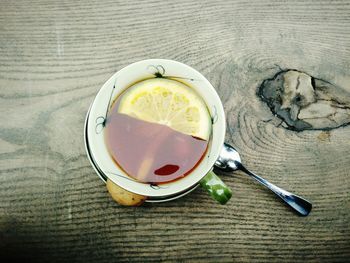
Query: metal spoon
(229, 160)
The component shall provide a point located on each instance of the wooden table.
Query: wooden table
(55, 56)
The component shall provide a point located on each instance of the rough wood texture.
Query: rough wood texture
(54, 57)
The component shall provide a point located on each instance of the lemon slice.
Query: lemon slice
(170, 103)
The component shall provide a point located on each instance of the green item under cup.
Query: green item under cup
(217, 189)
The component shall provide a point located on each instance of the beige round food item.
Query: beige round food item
(124, 197)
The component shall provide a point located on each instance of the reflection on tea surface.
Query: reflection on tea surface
(158, 130)
(151, 152)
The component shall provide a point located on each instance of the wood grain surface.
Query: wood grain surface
(54, 57)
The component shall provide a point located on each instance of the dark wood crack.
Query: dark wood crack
(304, 102)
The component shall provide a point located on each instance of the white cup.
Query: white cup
(124, 78)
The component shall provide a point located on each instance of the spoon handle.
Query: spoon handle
(299, 204)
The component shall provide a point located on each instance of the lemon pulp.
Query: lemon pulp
(168, 102)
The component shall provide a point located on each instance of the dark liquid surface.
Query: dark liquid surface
(151, 152)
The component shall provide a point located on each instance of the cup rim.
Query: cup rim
(100, 154)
